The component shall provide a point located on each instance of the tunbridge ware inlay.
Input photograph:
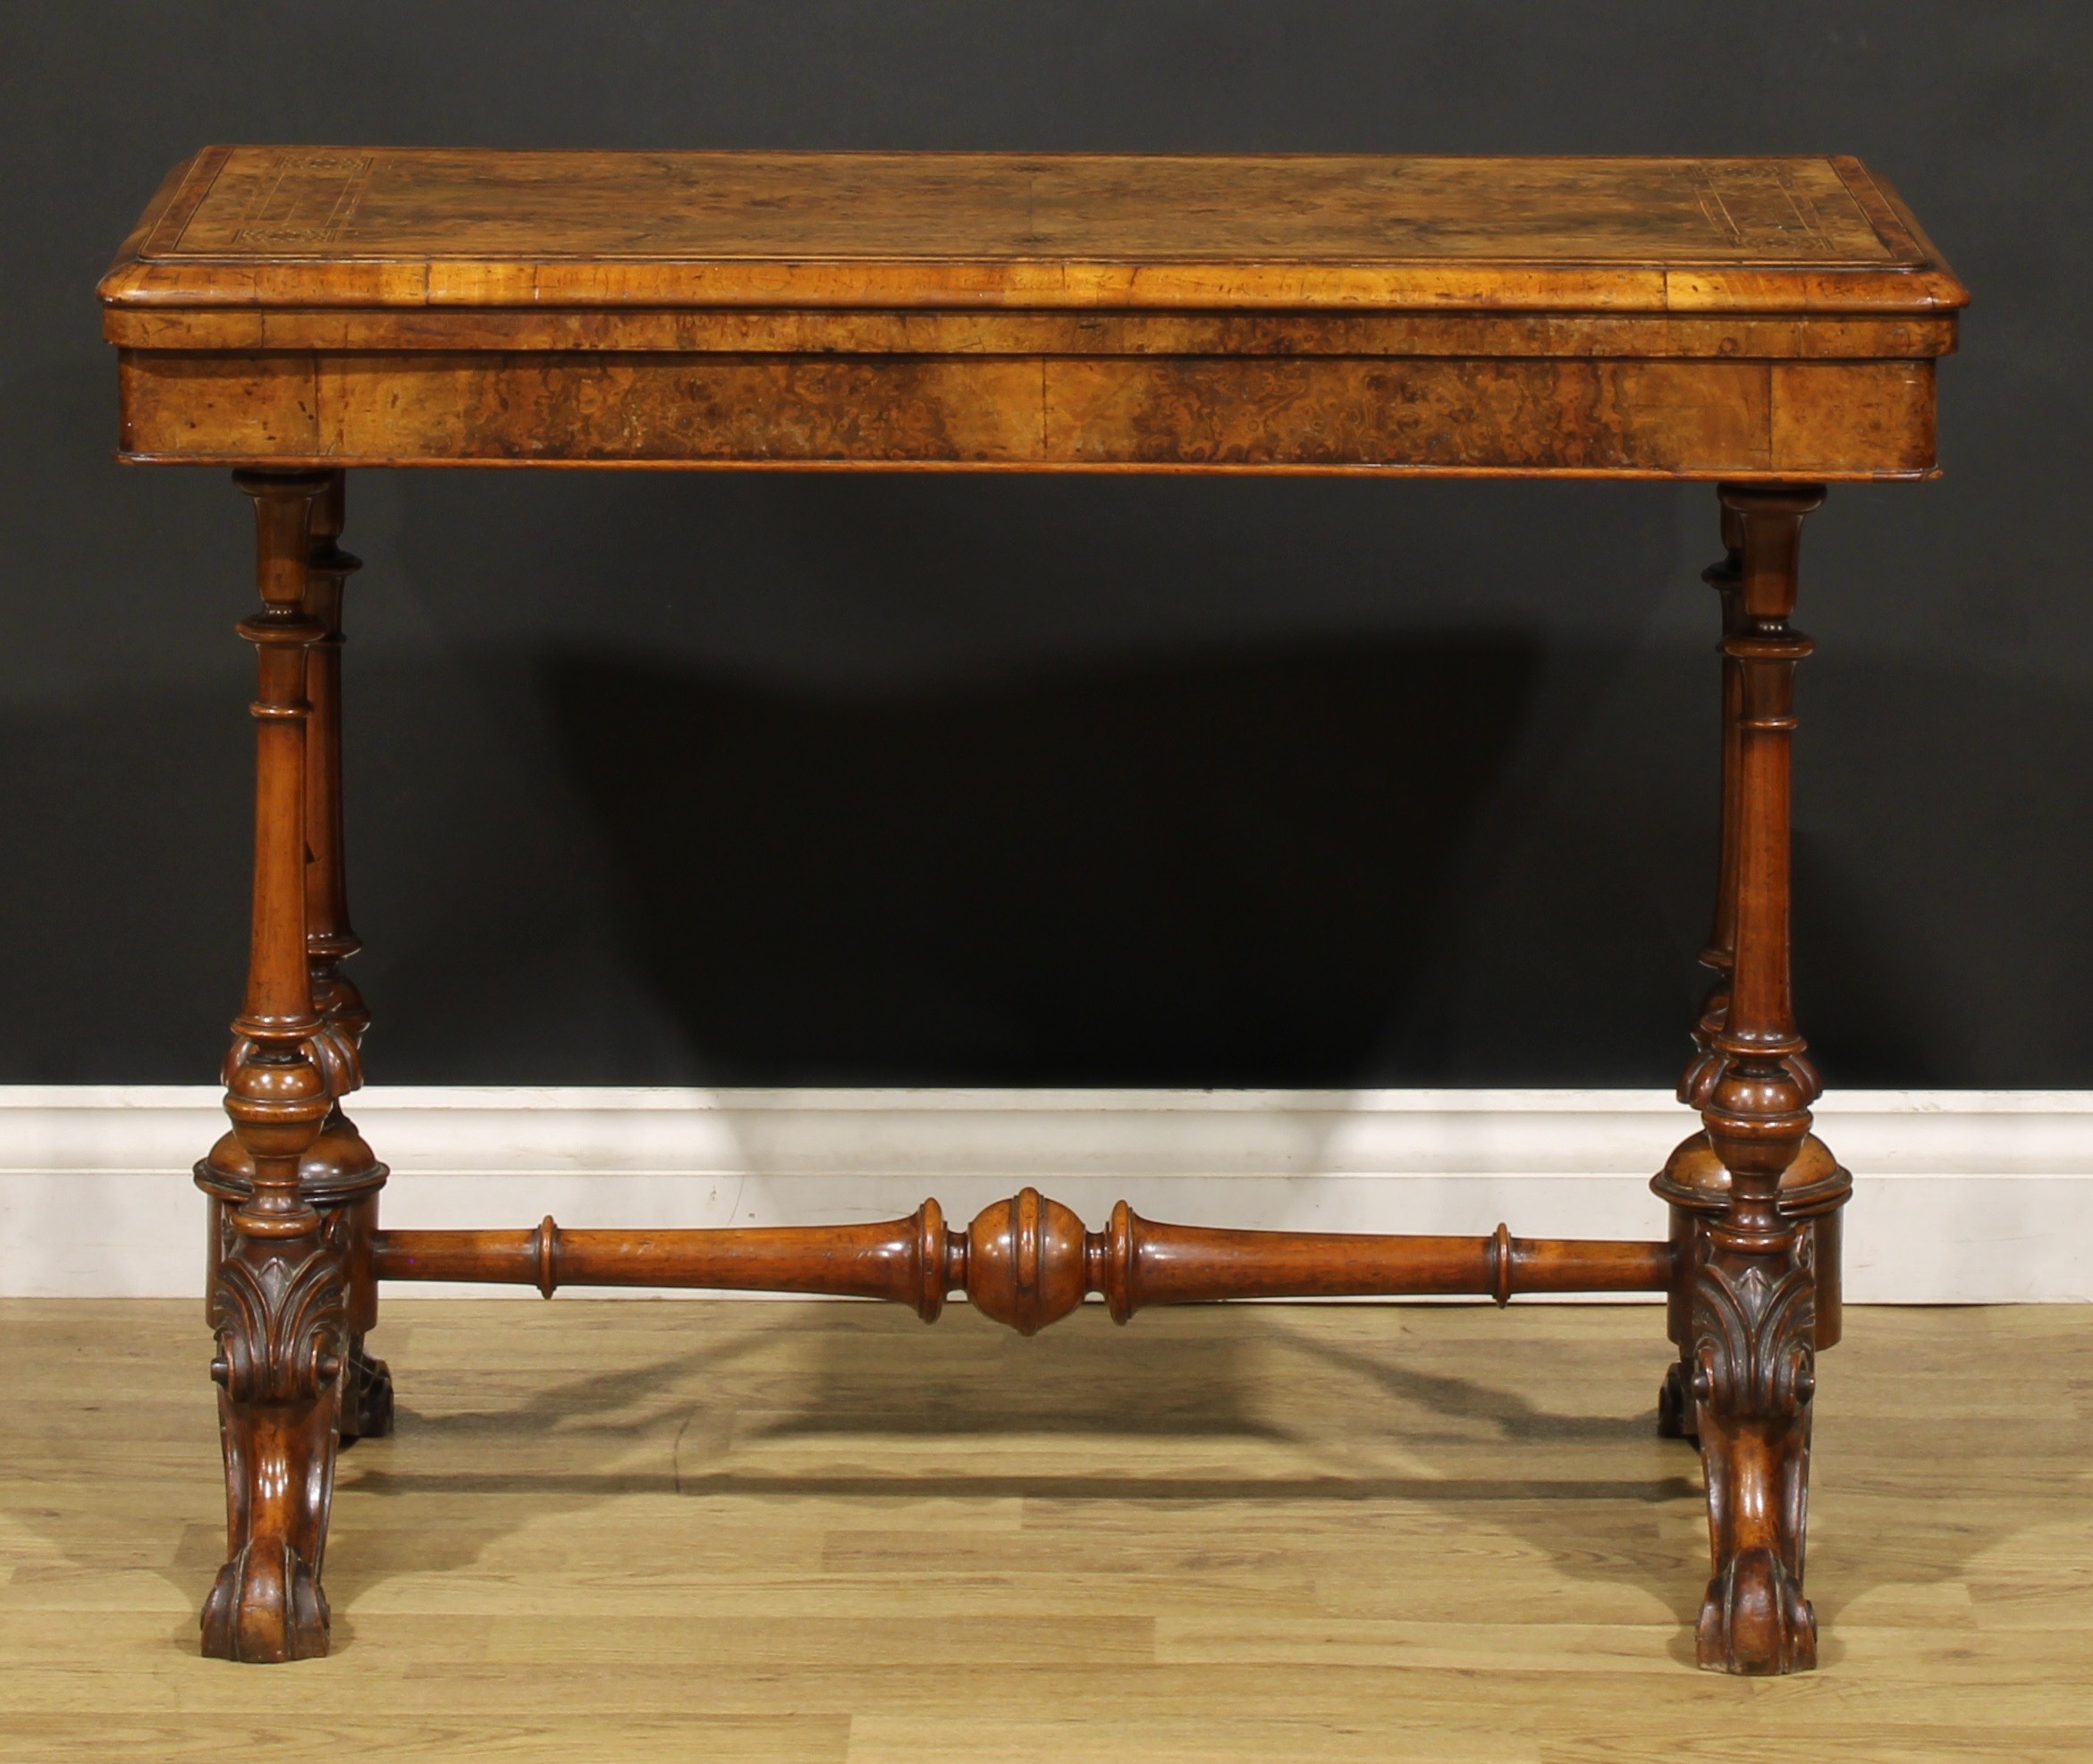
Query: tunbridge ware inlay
(1770, 325)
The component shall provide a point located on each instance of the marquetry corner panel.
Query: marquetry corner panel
(1770, 325)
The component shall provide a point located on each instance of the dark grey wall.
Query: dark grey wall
(765, 779)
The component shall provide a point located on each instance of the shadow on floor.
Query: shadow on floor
(1548, 1443)
(1085, 1414)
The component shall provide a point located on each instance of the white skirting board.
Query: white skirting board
(1961, 1196)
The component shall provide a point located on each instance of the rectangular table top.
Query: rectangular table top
(1725, 318)
(385, 227)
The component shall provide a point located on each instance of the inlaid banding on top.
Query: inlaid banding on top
(401, 227)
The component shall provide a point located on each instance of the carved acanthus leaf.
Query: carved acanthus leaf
(1753, 1335)
(282, 1323)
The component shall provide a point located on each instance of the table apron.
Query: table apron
(1528, 415)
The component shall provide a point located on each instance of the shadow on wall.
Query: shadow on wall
(1148, 873)
(694, 782)
(1280, 865)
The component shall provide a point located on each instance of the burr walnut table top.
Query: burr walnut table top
(1680, 317)
(278, 226)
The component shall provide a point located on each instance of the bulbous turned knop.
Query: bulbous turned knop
(1024, 1262)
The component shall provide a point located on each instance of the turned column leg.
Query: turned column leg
(1727, 579)
(278, 1301)
(1752, 1301)
(338, 1174)
(1675, 1418)
(1675, 1412)
(341, 1177)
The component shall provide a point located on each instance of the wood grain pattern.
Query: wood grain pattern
(791, 330)
(1835, 415)
(388, 226)
(1526, 416)
(1520, 416)
(1640, 317)
(634, 1533)
(392, 203)
(1028, 1262)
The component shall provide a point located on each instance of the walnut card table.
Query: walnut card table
(1767, 325)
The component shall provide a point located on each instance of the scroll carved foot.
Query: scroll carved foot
(265, 1607)
(279, 1310)
(1754, 1359)
(1755, 1620)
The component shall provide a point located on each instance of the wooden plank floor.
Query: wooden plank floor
(640, 1532)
